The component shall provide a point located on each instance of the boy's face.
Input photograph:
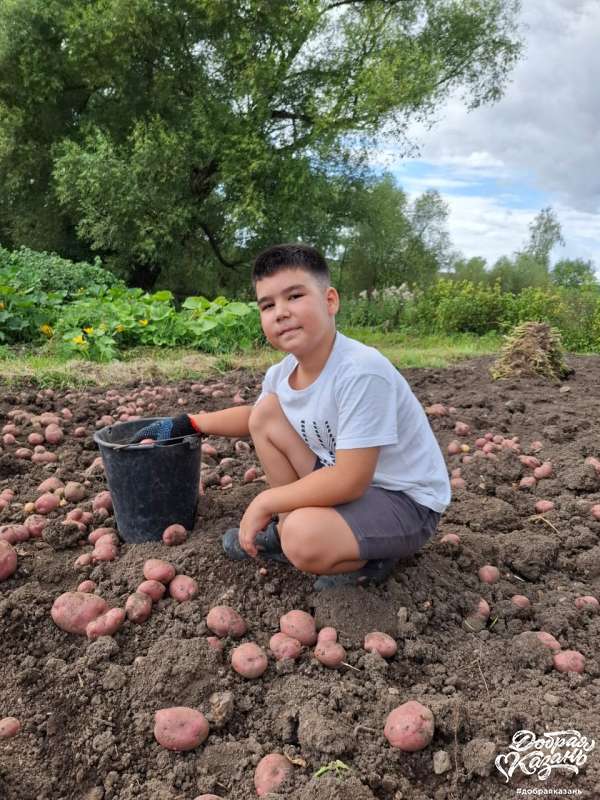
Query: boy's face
(297, 312)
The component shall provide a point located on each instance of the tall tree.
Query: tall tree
(574, 273)
(152, 131)
(545, 233)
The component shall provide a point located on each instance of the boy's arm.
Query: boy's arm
(227, 422)
(330, 486)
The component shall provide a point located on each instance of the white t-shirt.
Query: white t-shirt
(361, 400)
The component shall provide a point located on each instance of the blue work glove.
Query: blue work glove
(168, 428)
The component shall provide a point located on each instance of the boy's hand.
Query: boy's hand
(169, 428)
(256, 518)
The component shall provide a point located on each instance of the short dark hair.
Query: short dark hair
(294, 255)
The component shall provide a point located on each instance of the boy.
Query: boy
(357, 479)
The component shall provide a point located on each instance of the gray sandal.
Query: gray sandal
(374, 571)
(267, 543)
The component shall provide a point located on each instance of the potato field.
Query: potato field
(517, 555)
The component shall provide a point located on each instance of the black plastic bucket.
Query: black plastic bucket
(152, 486)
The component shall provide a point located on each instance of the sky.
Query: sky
(498, 166)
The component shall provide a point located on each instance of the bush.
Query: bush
(26, 269)
(458, 307)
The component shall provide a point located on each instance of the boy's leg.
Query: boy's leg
(283, 455)
(320, 541)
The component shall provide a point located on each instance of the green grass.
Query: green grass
(29, 366)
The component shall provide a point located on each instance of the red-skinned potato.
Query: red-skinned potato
(299, 625)
(53, 434)
(283, 646)
(225, 621)
(35, 524)
(569, 661)
(9, 727)
(249, 660)
(8, 560)
(155, 569)
(98, 533)
(183, 588)
(154, 589)
(87, 587)
(106, 624)
(105, 549)
(84, 560)
(174, 534)
(588, 602)
(528, 482)
(452, 538)
(73, 611)
(520, 601)
(543, 471)
(548, 640)
(409, 727)
(330, 654)
(271, 772)
(138, 607)
(542, 506)
(327, 634)
(180, 728)
(215, 643)
(378, 642)
(74, 492)
(46, 503)
(102, 500)
(51, 484)
(489, 574)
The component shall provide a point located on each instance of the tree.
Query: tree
(574, 273)
(545, 233)
(470, 269)
(150, 132)
(519, 273)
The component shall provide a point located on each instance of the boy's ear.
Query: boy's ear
(333, 299)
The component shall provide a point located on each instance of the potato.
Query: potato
(453, 448)
(462, 429)
(215, 643)
(84, 560)
(250, 474)
(543, 471)
(283, 646)
(157, 570)
(98, 533)
(174, 534)
(530, 461)
(327, 635)
(409, 727)
(542, 506)
(105, 549)
(183, 588)
(548, 640)
(102, 500)
(73, 611)
(50, 485)
(569, 661)
(74, 492)
(180, 728)
(207, 797)
(249, 660)
(458, 483)
(452, 538)
(330, 654)
(595, 511)
(489, 574)
(106, 624)
(9, 727)
(299, 625)
(35, 524)
(14, 533)
(53, 434)
(46, 503)
(270, 773)
(87, 587)
(8, 560)
(436, 410)
(378, 642)
(138, 607)
(520, 601)
(587, 601)
(154, 589)
(225, 621)
(483, 609)
(528, 482)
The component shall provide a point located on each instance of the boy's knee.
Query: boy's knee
(263, 413)
(304, 550)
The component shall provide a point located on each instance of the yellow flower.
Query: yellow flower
(46, 329)
(78, 340)
(2, 306)
(120, 328)
(142, 322)
(88, 330)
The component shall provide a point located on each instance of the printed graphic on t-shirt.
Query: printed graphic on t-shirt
(318, 436)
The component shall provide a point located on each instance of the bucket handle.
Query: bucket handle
(192, 440)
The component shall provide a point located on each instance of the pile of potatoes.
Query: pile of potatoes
(84, 613)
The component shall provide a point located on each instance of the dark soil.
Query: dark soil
(87, 708)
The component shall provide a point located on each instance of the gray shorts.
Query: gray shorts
(387, 523)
